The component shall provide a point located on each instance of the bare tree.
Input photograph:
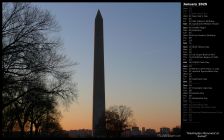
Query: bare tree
(50, 125)
(118, 118)
(29, 49)
(32, 66)
(33, 110)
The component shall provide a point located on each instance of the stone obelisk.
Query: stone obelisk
(99, 126)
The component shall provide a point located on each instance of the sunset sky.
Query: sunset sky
(141, 55)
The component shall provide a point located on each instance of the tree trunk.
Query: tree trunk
(31, 128)
(31, 123)
(36, 128)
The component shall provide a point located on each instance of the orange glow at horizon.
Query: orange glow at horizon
(78, 118)
(85, 123)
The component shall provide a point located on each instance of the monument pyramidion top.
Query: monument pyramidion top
(98, 15)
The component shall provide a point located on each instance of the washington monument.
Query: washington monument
(99, 126)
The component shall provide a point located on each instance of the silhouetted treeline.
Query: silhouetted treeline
(35, 74)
